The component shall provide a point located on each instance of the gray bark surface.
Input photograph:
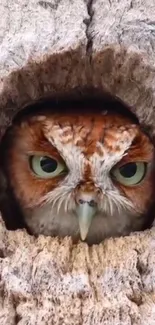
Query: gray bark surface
(48, 47)
(51, 281)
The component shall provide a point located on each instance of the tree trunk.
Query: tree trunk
(49, 47)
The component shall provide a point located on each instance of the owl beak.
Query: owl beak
(85, 212)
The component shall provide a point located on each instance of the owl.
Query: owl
(86, 171)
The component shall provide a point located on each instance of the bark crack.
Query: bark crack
(87, 22)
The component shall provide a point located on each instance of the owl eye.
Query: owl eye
(130, 174)
(46, 167)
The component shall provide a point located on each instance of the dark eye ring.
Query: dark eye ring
(46, 167)
(130, 174)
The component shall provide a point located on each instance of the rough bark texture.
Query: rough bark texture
(53, 46)
(51, 281)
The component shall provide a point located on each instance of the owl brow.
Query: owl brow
(42, 151)
(131, 155)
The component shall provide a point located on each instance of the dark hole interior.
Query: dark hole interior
(83, 102)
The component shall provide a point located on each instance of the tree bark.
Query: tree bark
(49, 47)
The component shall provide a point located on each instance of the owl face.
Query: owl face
(88, 176)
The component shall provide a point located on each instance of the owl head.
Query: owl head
(84, 173)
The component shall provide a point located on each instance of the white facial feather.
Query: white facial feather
(100, 167)
(57, 212)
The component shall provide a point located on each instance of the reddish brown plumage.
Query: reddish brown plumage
(83, 131)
